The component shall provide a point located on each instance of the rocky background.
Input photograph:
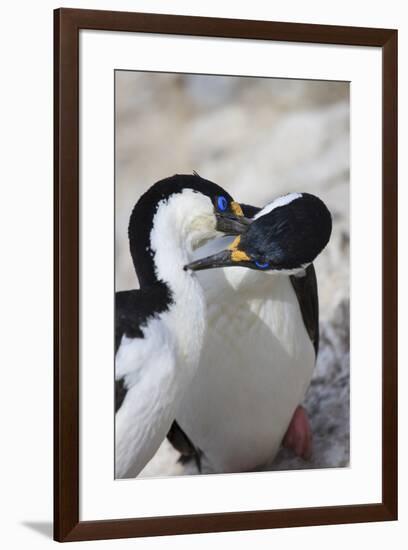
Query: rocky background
(258, 138)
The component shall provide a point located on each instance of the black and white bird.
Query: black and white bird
(261, 341)
(159, 329)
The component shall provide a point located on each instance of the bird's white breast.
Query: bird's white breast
(256, 363)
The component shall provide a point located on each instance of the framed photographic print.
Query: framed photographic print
(225, 274)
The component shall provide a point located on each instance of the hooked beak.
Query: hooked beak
(231, 224)
(221, 259)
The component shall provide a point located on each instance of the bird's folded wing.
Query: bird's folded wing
(305, 288)
(133, 310)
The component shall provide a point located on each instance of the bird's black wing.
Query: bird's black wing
(183, 444)
(127, 315)
(306, 292)
(133, 309)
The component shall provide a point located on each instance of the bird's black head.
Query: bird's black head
(285, 236)
(221, 207)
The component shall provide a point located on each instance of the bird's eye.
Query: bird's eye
(262, 265)
(222, 203)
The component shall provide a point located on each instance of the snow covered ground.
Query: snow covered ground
(258, 138)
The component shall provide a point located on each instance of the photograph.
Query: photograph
(232, 293)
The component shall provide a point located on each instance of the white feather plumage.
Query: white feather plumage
(256, 364)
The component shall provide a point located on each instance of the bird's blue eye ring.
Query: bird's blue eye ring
(262, 265)
(222, 203)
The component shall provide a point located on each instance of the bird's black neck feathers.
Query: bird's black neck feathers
(141, 219)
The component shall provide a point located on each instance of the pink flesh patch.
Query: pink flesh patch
(298, 436)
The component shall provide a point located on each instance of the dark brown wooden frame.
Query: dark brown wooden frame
(67, 24)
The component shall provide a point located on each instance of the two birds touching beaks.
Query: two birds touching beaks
(217, 359)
